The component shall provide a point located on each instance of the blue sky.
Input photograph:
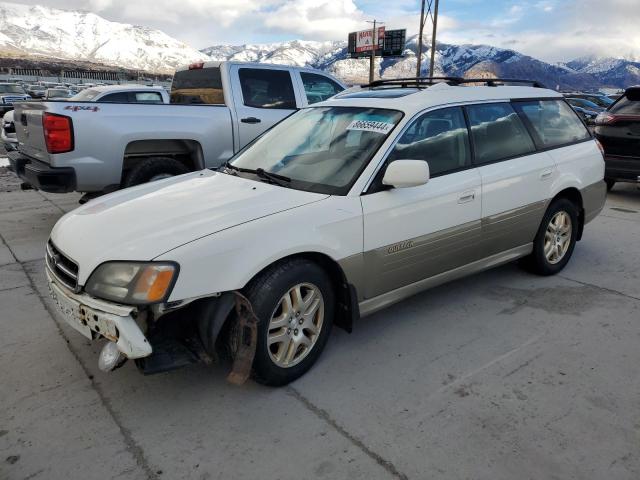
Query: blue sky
(552, 30)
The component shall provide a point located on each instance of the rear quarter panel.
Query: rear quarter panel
(579, 166)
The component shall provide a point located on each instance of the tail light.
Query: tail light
(58, 133)
(605, 118)
(196, 66)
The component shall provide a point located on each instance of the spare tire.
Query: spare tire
(153, 168)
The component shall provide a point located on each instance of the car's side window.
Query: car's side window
(267, 88)
(440, 138)
(318, 87)
(497, 133)
(553, 122)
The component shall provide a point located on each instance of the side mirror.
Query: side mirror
(406, 173)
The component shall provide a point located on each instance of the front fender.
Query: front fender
(228, 260)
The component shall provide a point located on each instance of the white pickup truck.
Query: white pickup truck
(216, 109)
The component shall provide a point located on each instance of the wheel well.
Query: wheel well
(574, 196)
(189, 152)
(347, 298)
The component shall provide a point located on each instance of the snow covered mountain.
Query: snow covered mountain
(36, 32)
(455, 60)
(72, 35)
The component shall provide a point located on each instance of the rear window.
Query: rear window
(626, 105)
(119, 97)
(199, 86)
(85, 95)
(498, 133)
(146, 97)
(553, 122)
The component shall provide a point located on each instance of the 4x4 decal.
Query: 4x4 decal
(77, 108)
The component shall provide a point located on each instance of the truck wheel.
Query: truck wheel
(295, 303)
(556, 238)
(152, 169)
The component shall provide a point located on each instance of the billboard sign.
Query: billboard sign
(392, 46)
(365, 41)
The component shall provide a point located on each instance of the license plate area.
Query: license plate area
(85, 320)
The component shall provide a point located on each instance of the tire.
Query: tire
(266, 294)
(145, 170)
(610, 183)
(548, 263)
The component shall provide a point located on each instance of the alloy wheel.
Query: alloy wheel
(295, 325)
(557, 237)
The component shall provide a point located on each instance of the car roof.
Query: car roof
(215, 63)
(439, 94)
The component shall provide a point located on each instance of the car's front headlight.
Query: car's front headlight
(133, 283)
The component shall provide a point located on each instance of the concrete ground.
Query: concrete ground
(503, 375)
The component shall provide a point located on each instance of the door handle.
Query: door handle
(467, 196)
(546, 174)
(250, 120)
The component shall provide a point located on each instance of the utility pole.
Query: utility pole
(431, 11)
(374, 45)
(433, 40)
(420, 30)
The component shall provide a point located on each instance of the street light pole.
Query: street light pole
(372, 57)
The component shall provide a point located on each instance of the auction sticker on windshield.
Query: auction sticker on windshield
(370, 126)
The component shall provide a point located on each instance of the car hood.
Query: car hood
(143, 222)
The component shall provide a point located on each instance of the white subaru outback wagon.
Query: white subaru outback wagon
(340, 210)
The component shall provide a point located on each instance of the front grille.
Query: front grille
(64, 269)
(10, 100)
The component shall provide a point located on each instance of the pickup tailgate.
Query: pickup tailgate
(28, 122)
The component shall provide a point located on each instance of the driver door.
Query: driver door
(418, 232)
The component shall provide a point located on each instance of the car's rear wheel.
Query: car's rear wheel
(556, 238)
(610, 183)
(152, 169)
(294, 302)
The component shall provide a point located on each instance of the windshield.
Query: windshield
(602, 100)
(321, 149)
(11, 89)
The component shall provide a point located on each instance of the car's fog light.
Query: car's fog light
(110, 357)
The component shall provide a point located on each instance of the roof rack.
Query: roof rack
(421, 82)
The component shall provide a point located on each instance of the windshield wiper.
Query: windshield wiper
(274, 178)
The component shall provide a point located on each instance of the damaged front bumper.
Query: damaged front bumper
(172, 337)
(93, 317)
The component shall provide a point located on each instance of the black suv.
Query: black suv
(618, 130)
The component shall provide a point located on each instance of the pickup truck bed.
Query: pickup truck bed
(217, 108)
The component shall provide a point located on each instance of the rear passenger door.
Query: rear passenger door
(262, 97)
(516, 178)
(418, 232)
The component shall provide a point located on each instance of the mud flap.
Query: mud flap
(248, 335)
